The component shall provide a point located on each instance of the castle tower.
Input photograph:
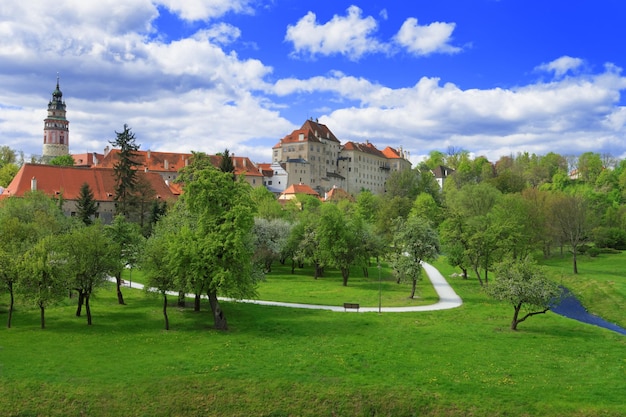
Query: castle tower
(56, 133)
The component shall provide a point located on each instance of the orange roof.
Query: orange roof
(66, 181)
(172, 162)
(311, 131)
(364, 147)
(300, 189)
(336, 194)
(391, 153)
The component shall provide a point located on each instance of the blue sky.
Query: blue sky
(492, 77)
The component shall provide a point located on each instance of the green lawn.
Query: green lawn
(289, 362)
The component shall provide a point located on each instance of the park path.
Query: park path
(447, 298)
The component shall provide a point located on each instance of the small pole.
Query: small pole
(380, 290)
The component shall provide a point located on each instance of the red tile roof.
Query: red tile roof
(311, 132)
(364, 147)
(391, 153)
(172, 162)
(66, 181)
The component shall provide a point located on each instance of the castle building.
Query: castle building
(56, 132)
(313, 156)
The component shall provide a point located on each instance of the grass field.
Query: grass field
(287, 362)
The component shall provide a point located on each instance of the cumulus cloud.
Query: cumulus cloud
(349, 35)
(193, 10)
(561, 66)
(427, 39)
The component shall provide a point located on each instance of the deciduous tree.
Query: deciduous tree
(523, 284)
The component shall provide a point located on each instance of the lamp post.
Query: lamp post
(380, 290)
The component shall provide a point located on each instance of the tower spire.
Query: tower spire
(56, 127)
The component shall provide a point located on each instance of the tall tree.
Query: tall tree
(23, 222)
(523, 284)
(86, 206)
(224, 258)
(155, 265)
(128, 239)
(41, 278)
(124, 168)
(415, 241)
(270, 239)
(90, 257)
(570, 216)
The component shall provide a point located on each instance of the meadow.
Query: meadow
(278, 361)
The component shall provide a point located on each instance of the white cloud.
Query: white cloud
(561, 66)
(193, 10)
(349, 35)
(428, 39)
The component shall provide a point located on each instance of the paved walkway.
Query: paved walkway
(447, 298)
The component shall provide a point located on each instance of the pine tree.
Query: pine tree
(226, 164)
(124, 168)
(86, 205)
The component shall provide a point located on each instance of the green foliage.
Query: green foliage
(124, 168)
(522, 283)
(415, 241)
(62, 160)
(86, 206)
(7, 173)
(226, 163)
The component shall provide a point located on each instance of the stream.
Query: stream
(571, 307)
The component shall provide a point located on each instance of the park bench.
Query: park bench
(353, 306)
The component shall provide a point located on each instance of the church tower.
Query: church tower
(56, 132)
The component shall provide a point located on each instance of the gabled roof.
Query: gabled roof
(391, 153)
(66, 182)
(336, 194)
(295, 189)
(363, 147)
(311, 131)
(441, 171)
(173, 161)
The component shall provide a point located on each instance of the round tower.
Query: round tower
(56, 132)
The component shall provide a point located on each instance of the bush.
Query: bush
(593, 251)
(609, 237)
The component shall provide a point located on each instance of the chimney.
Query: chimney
(33, 184)
(106, 150)
(166, 164)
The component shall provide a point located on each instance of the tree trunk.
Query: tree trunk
(477, 272)
(10, 305)
(464, 273)
(515, 316)
(167, 322)
(196, 303)
(413, 287)
(120, 297)
(88, 309)
(181, 298)
(81, 300)
(218, 314)
(345, 274)
(42, 315)
(574, 260)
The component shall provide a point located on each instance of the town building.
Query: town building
(313, 155)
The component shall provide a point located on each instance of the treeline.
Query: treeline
(221, 236)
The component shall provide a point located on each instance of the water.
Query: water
(572, 308)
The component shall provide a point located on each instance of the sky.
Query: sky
(493, 77)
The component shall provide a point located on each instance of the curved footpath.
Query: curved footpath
(447, 298)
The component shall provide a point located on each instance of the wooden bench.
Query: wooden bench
(353, 306)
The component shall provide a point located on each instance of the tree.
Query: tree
(41, 279)
(415, 241)
(523, 284)
(86, 206)
(23, 222)
(91, 256)
(339, 239)
(267, 207)
(62, 160)
(270, 239)
(226, 163)
(124, 169)
(128, 239)
(155, 265)
(224, 253)
(570, 217)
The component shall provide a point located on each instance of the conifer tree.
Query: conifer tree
(124, 168)
(86, 205)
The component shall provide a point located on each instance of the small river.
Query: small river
(572, 308)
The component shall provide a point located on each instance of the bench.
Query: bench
(352, 306)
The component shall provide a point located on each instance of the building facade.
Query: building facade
(313, 155)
